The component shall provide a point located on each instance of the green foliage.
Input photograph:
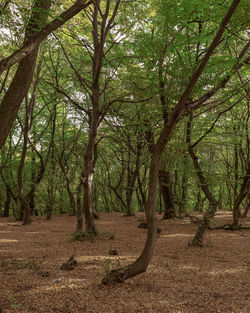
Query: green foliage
(83, 235)
(14, 304)
(150, 53)
(108, 266)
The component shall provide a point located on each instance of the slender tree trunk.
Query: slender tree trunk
(244, 189)
(209, 214)
(184, 188)
(32, 179)
(88, 169)
(79, 225)
(51, 186)
(7, 203)
(198, 201)
(24, 203)
(101, 26)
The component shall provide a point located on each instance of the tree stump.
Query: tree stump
(69, 265)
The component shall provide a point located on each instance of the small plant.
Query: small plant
(30, 264)
(77, 235)
(81, 235)
(107, 267)
(13, 302)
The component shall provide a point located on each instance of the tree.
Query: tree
(180, 109)
(36, 32)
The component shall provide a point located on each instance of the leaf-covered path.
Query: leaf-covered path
(184, 279)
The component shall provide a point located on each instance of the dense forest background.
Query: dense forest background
(126, 106)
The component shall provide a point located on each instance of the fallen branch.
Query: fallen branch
(228, 227)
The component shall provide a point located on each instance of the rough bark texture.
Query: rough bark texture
(23, 77)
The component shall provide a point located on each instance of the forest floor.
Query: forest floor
(180, 279)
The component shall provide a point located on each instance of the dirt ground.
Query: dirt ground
(180, 279)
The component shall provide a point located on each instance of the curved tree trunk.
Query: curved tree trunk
(141, 264)
(246, 209)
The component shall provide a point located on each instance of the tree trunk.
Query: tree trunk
(198, 201)
(244, 189)
(247, 207)
(89, 172)
(79, 225)
(23, 201)
(141, 264)
(7, 203)
(184, 188)
(129, 192)
(165, 188)
(209, 214)
(20, 84)
(51, 186)
(32, 179)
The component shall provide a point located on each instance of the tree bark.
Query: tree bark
(79, 225)
(20, 84)
(209, 214)
(166, 194)
(7, 203)
(141, 264)
(101, 26)
(25, 207)
(244, 189)
(33, 43)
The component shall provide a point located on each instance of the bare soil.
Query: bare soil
(180, 279)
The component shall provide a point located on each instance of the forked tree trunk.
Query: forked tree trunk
(141, 264)
(102, 23)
